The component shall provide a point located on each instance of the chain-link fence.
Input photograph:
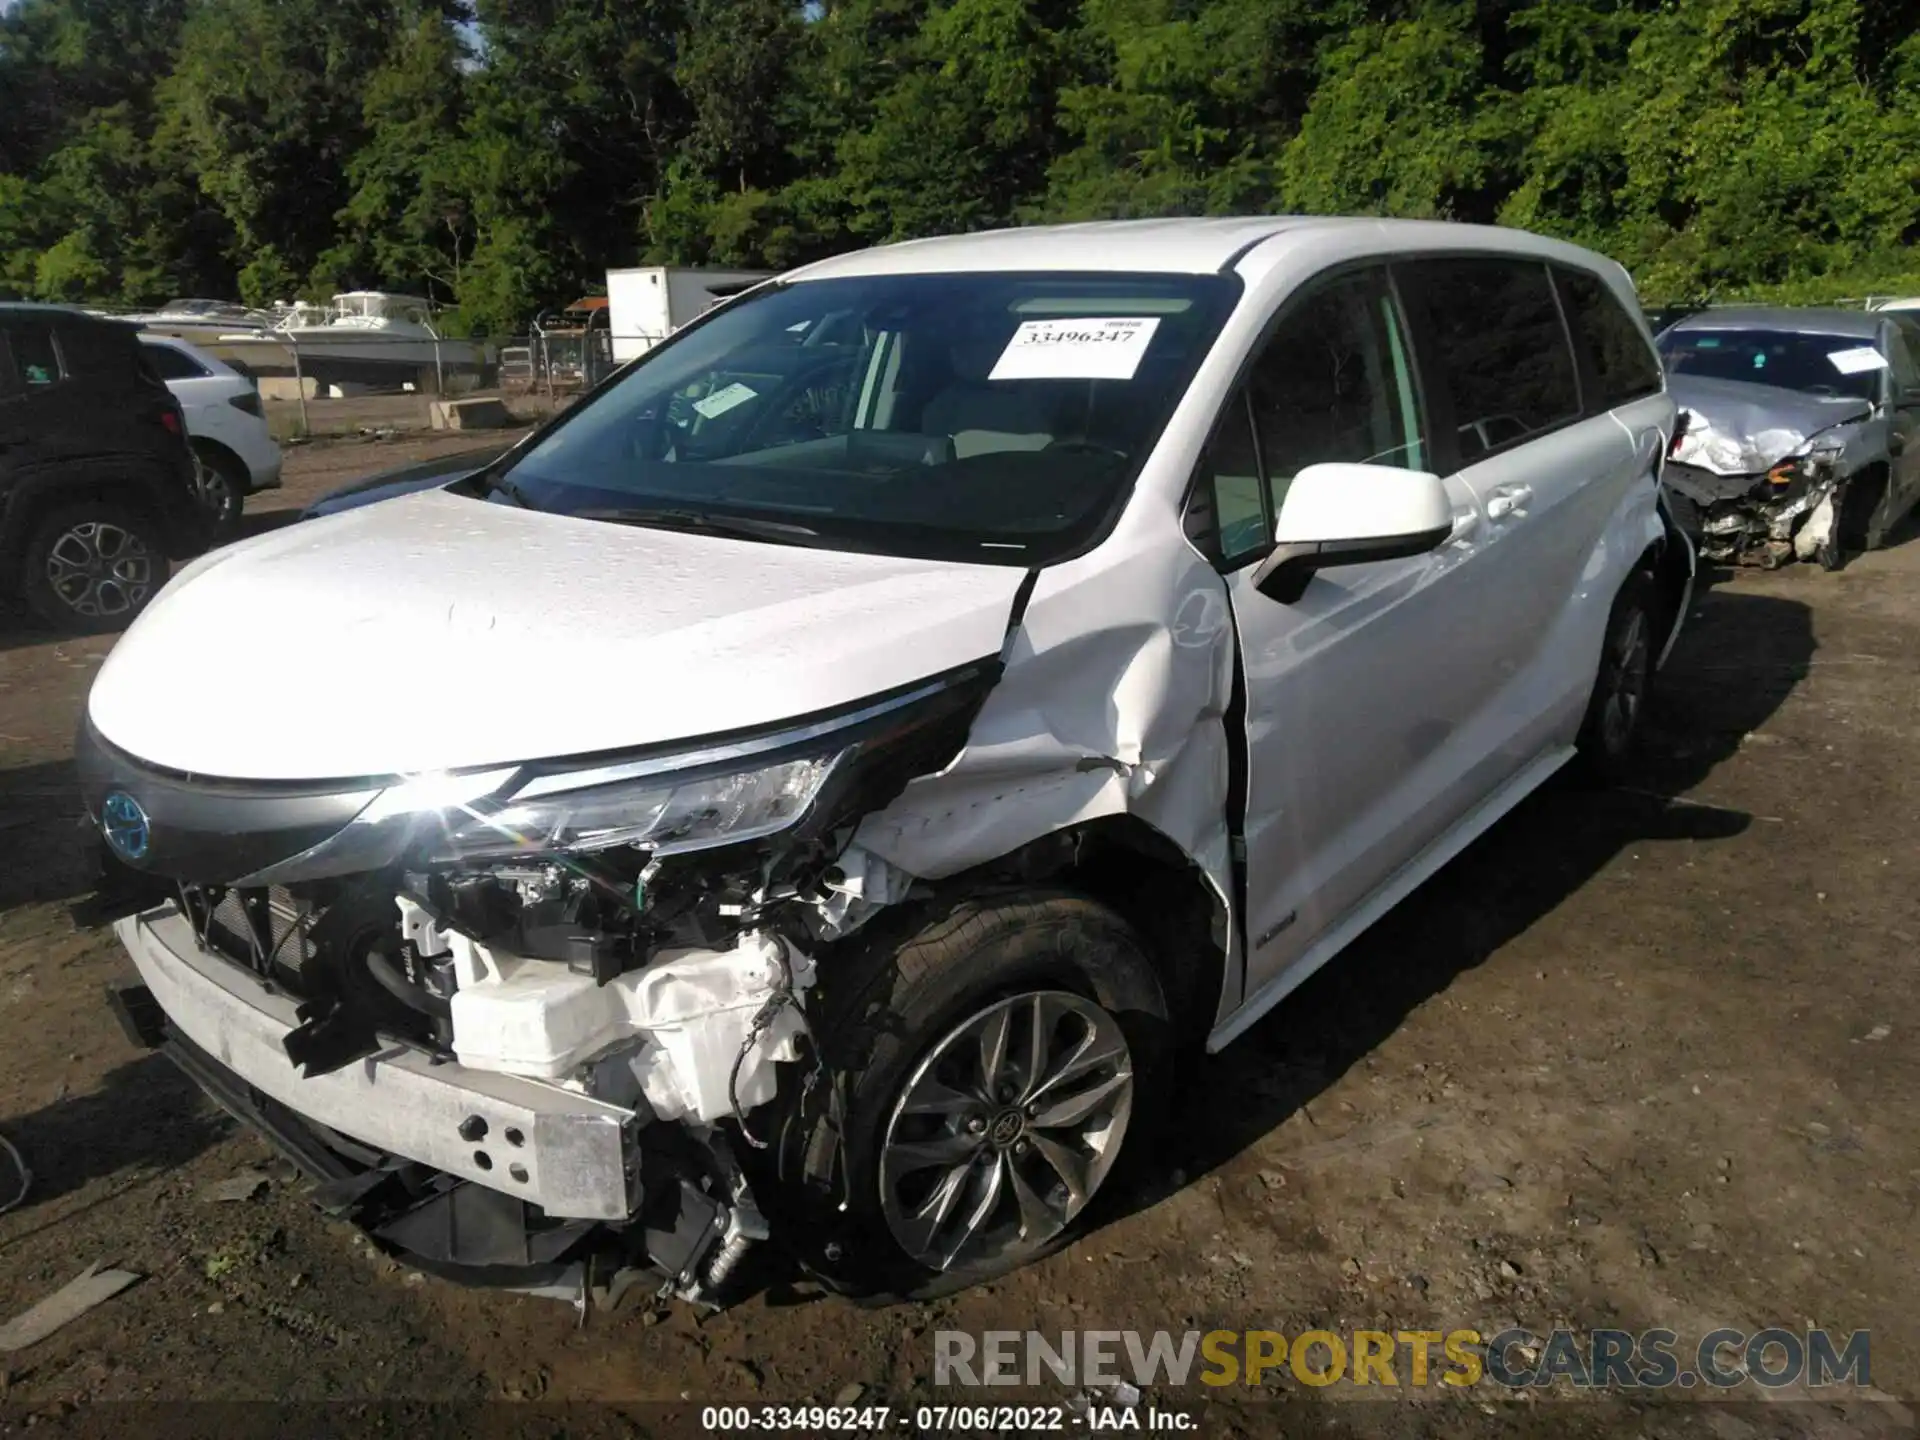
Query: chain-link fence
(338, 378)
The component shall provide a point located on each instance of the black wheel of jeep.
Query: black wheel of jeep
(984, 1067)
(1610, 733)
(91, 567)
(222, 483)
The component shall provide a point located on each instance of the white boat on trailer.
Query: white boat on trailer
(364, 338)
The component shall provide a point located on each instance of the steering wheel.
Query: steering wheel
(1083, 446)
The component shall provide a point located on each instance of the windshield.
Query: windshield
(1837, 365)
(991, 417)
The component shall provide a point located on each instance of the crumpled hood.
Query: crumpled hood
(1742, 429)
(434, 632)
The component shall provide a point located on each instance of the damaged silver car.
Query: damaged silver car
(811, 791)
(1797, 432)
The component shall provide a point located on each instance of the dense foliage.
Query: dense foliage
(504, 155)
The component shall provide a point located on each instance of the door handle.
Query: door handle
(1508, 500)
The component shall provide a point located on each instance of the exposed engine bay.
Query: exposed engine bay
(637, 932)
(1761, 473)
(1790, 512)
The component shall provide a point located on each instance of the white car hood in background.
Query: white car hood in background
(436, 632)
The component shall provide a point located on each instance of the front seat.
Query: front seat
(980, 415)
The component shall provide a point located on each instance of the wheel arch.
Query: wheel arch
(1870, 483)
(220, 450)
(36, 499)
(1670, 560)
(1134, 869)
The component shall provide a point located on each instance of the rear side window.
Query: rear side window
(170, 362)
(34, 358)
(1623, 364)
(101, 352)
(1497, 349)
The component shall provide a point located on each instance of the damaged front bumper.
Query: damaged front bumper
(569, 1154)
(1791, 512)
(478, 1176)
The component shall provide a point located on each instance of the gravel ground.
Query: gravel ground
(1637, 1059)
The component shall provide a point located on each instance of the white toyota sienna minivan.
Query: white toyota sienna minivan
(813, 788)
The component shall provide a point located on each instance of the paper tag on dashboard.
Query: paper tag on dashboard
(1109, 349)
(1857, 361)
(723, 400)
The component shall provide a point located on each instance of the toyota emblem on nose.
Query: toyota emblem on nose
(124, 824)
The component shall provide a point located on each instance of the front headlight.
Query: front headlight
(662, 814)
(1826, 454)
(731, 790)
(1820, 462)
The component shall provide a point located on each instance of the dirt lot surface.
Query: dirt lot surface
(1644, 1058)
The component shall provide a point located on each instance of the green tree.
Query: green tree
(151, 147)
(1394, 125)
(731, 67)
(265, 102)
(408, 220)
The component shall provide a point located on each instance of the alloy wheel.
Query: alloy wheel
(100, 569)
(218, 494)
(1005, 1129)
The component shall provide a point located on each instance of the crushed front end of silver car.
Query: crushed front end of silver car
(499, 1016)
(1762, 473)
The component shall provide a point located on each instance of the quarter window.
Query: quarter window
(1623, 363)
(171, 363)
(1227, 517)
(1499, 350)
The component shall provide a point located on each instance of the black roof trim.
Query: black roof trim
(1227, 266)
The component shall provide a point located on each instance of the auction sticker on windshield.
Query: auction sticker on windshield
(1857, 361)
(1089, 349)
(723, 400)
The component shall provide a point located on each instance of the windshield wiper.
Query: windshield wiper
(744, 526)
(494, 484)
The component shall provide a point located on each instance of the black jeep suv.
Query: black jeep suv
(96, 477)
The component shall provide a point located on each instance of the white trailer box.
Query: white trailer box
(646, 305)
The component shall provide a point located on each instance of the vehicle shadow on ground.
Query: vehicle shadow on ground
(1738, 660)
(263, 522)
(21, 629)
(47, 851)
(145, 1114)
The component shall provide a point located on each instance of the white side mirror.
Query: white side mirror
(1340, 514)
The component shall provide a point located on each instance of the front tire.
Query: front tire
(985, 1067)
(92, 567)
